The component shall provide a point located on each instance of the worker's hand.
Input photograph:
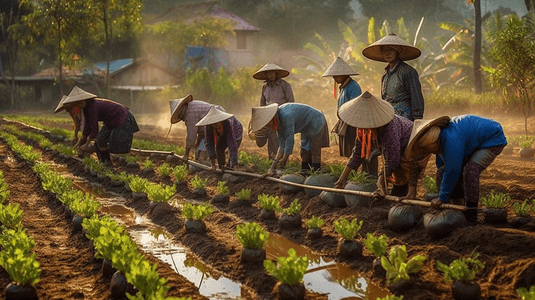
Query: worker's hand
(83, 147)
(340, 184)
(436, 203)
(77, 145)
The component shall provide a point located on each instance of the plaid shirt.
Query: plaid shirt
(195, 111)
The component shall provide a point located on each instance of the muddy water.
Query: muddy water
(323, 275)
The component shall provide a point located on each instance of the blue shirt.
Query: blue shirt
(295, 118)
(464, 135)
(348, 92)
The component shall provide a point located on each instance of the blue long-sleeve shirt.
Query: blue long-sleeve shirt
(348, 92)
(295, 118)
(463, 135)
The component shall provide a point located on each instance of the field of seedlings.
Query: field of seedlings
(151, 227)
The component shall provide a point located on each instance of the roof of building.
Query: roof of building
(192, 12)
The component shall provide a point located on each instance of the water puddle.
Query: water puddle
(323, 275)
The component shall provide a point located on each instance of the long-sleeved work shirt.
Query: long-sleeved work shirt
(295, 118)
(110, 113)
(195, 111)
(280, 92)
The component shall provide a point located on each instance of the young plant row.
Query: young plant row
(42, 141)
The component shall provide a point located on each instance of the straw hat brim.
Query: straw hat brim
(373, 51)
(178, 103)
(77, 94)
(262, 115)
(419, 128)
(61, 104)
(261, 74)
(366, 111)
(339, 67)
(214, 116)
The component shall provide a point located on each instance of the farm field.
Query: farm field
(66, 257)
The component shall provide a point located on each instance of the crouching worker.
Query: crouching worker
(464, 147)
(289, 119)
(223, 131)
(376, 124)
(117, 133)
(75, 114)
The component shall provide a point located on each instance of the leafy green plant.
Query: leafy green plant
(244, 194)
(525, 144)
(361, 178)
(130, 158)
(55, 183)
(293, 209)
(525, 294)
(196, 212)
(146, 280)
(180, 172)
(522, 209)
(138, 185)
(268, 202)
(398, 267)
(391, 297)
(93, 225)
(430, 185)
(376, 245)
(222, 188)
(198, 183)
(289, 270)
(462, 269)
(251, 235)
(16, 257)
(160, 193)
(85, 207)
(336, 169)
(495, 200)
(314, 222)
(347, 230)
(147, 164)
(11, 216)
(4, 189)
(164, 169)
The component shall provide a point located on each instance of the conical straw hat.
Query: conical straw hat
(175, 106)
(373, 51)
(61, 105)
(262, 115)
(214, 116)
(77, 94)
(339, 67)
(261, 74)
(366, 111)
(420, 127)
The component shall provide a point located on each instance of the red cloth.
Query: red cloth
(366, 136)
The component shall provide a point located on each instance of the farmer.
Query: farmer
(116, 134)
(274, 90)
(75, 114)
(377, 125)
(223, 131)
(400, 84)
(289, 119)
(465, 146)
(191, 112)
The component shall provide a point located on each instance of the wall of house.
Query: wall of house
(144, 74)
(244, 56)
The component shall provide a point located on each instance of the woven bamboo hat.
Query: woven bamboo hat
(262, 115)
(61, 105)
(261, 74)
(175, 106)
(408, 51)
(214, 116)
(77, 94)
(339, 67)
(420, 127)
(366, 111)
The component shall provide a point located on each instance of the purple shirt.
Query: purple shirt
(281, 92)
(393, 138)
(232, 132)
(110, 113)
(195, 111)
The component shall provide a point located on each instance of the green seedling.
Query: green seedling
(336, 169)
(462, 269)
(293, 209)
(314, 222)
(391, 297)
(4, 191)
(361, 178)
(495, 200)
(198, 183)
(164, 170)
(93, 225)
(11, 216)
(268, 202)
(180, 172)
(130, 158)
(71, 196)
(244, 194)
(159, 193)
(16, 257)
(251, 235)
(85, 207)
(147, 164)
(138, 185)
(376, 245)
(522, 209)
(347, 230)
(196, 212)
(146, 280)
(398, 267)
(524, 294)
(222, 188)
(289, 270)
(430, 185)
(55, 183)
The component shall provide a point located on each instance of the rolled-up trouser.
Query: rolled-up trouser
(320, 140)
(118, 139)
(220, 149)
(273, 143)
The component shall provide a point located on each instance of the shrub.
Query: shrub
(196, 212)
(289, 270)
(430, 185)
(294, 208)
(376, 245)
(251, 235)
(495, 200)
(397, 267)
(347, 230)
(314, 222)
(268, 202)
(525, 294)
(164, 169)
(198, 183)
(462, 269)
(244, 194)
(222, 188)
(180, 172)
(522, 209)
